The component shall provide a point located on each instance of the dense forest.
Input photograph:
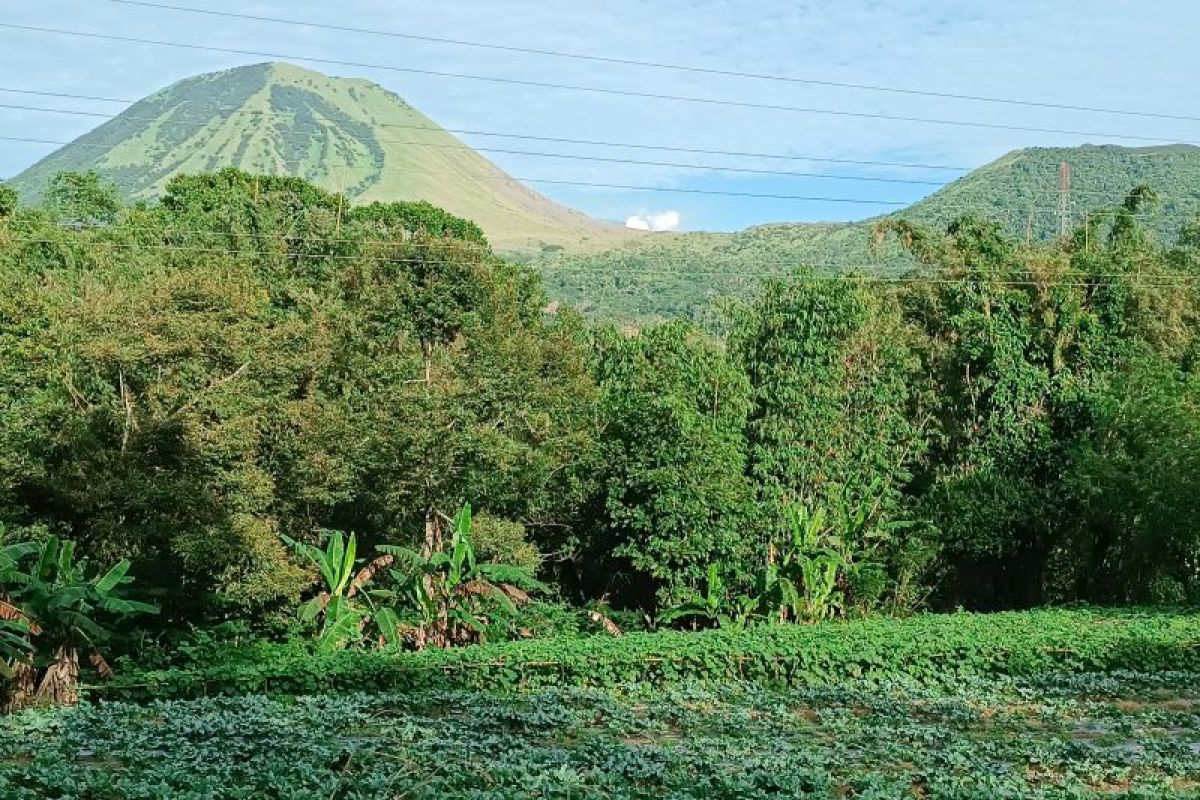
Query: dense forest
(253, 403)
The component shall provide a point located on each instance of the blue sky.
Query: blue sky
(1109, 53)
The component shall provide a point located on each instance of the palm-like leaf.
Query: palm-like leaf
(57, 606)
(341, 630)
(126, 608)
(684, 611)
(388, 622)
(113, 578)
(517, 576)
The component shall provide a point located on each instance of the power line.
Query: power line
(454, 245)
(726, 103)
(564, 140)
(572, 156)
(632, 187)
(39, 93)
(283, 238)
(564, 156)
(904, 206)
(543, 154)
(666, 66)
(593, 142)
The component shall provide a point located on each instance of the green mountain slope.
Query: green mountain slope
(342, 134)
(678, 274)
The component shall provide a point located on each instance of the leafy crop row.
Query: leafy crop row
(1078, 736)
(929, 649)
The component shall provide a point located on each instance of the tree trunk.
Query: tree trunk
(18, 694)
(435, 633)
(60, 683)
(433, 533)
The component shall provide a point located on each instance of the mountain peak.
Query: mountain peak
(345, 134)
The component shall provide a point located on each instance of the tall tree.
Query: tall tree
(675, 495)
(835, 420)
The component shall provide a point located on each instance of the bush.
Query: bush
(502, 541)
(1167, 591)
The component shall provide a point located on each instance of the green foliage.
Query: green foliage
(186, 384)
(801, 583)
(82, 200)
(420, 217)
(63, 611)
(503, 541)
(456, 597)
(1132, 479)
(341, 618)
(712, 606)
(14, 622)
(675, 494)
(836, 420)
(59, 597)
(927, 649)
(347, 136)
(684, 275)
(193, 383)
(1018, 349)
(8, 200)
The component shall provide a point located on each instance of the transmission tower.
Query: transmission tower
(1064, 200)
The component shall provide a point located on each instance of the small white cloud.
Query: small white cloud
(664, 221)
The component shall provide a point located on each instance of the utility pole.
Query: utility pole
(1064, 200)
(340, 197)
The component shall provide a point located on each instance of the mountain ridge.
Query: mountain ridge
(670, 274)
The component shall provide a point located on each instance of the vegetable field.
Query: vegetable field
(1064, 736)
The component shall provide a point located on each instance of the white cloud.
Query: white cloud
(664, 221)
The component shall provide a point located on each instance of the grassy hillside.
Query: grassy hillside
(344, 135)
(674, 274)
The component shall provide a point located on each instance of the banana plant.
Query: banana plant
(343, 608)
(713, 606)
(64, 612)
(454, 597)
(801, 583)
(15, 646)
(15, 629)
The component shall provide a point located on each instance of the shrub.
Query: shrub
(502, 541)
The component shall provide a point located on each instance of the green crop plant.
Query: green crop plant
(1044, 736)
(346, 605)
(801, 582)
(453, 597)
(14, 623)
(714, 607)
(62, 611)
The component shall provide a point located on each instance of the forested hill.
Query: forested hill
(349, 136)
(680, 274)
